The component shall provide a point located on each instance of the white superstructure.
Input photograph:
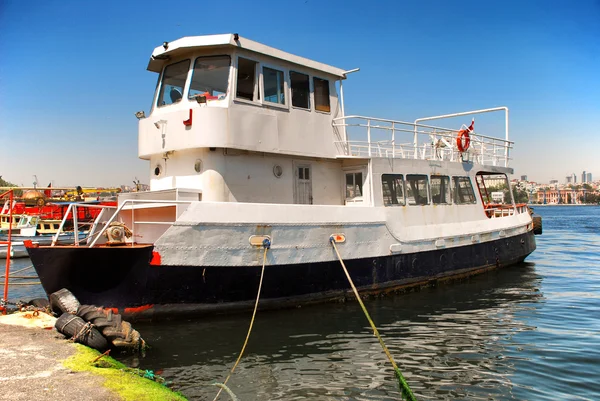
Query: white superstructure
(252, 140)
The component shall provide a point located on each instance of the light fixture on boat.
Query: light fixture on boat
(236, 37)
(140, 114)
(166, 45)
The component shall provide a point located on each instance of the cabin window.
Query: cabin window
(321, 94)
(440, 190)
(273, 85)
(416, 189)
(354, 185)
(463, 191)
(392, 186)
(210, 77)
(300, 90)
(173, 81)
(246, 79)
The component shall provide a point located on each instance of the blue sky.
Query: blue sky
(73, 73)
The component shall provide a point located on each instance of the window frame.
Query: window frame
(286, 86)
(401, 176)
(310, 91)
(314, 94)
(457, 190)
(354, 199)
(183, 88)
(257, 81)
(191, 76)
(449, 189)
(407, 185)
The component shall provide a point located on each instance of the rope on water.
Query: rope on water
(404, 388)
(18, 271)
(266, 245)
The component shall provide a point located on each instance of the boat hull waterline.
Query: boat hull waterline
(123, 278)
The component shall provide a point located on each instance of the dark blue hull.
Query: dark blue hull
(123, 278)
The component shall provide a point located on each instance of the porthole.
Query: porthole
(198, 165)
(277, 171)
(157, 170)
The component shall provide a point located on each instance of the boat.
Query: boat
(254, 162)
(17, 250)
(42, 232)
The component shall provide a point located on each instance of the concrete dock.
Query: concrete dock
(31, 368)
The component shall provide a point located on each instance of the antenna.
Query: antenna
(35, 181)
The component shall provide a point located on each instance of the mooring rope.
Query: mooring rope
(18, 271)
(404, 388)
(266, 245)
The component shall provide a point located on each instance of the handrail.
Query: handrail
(481, 111)
(132, 202)
(440, 143)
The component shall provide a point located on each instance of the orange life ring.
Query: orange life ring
(463, 133)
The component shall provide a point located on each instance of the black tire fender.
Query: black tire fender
(70, 325)
(39, 302)
(537, 225)
(63, 301)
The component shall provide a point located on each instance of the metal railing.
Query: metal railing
(94, 234)
(407, 140)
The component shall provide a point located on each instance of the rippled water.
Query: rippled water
(529, 332)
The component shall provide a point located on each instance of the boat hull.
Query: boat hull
(124, 278)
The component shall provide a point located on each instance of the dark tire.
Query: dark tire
(537, 225)
(40, 303)
(63, 301)
(70, 326)
(98, 316)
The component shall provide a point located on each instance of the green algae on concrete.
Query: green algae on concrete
(119, 378)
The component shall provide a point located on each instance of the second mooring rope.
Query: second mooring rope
(404, 388)
(266, 245)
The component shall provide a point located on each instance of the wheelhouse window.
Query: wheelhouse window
(300, 90)
(210, 77)
(463, 191)
(440, 190)
(493, 188)
(246, 80)
(173, 82)
(416, 189)
(354, 185)
(321, 94)
(273, 85)
(392, 186)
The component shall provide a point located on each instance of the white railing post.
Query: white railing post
(369, 135)
(62, 224)
(506, 137)
(393, 139)
(75, 225)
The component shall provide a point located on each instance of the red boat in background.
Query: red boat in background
(46, 207)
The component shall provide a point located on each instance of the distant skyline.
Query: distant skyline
(72, 74)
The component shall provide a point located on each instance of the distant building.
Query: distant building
(555, 182)
(574, 179)
(498, 197)
(523, 178)
(569, 179)
(583, 177)
(589, 178)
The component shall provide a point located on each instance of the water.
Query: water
(527, 332)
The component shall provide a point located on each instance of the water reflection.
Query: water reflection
(450, 342)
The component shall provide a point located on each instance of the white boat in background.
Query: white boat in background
(17, 250)
(249, 147)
